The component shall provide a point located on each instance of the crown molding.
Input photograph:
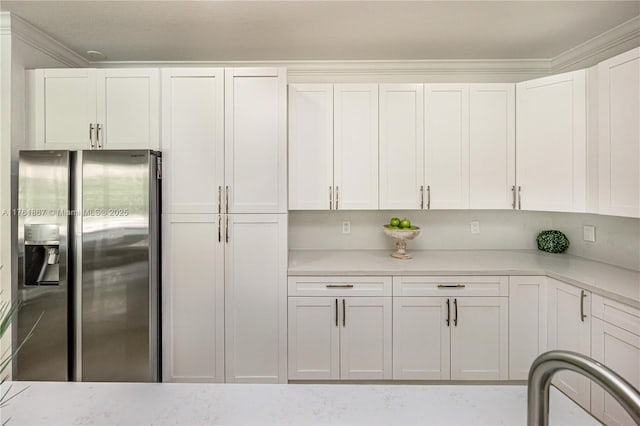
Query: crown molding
(616, 40)
(362, 68)
(34, 37)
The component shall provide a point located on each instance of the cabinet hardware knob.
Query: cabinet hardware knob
(336, 312)
(421, 196)
(339, 285)
(519, 198)
(337, 197)
(98, 129)
(583, 295)
(91, 135)
(448, 313)
(219, 228)
(344, 313)
(451, 285)
(219, 199)
(428, 197)
(513, 192)
(226, 198)
(330, 198)
(226, 230)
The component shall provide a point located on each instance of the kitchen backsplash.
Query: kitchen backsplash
(616, 238)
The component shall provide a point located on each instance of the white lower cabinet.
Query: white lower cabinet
(224, 296)
(335, 338)
(569, 328)
(192, 299)
(615, 342)
(458, 335)
(527, 323)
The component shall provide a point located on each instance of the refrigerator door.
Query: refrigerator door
(43, 286)
(119, 290)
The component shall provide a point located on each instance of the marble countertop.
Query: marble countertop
(64, 403)
(607, 280)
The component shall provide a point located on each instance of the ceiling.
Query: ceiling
(322, 30)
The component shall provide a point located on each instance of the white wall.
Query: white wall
(617, 239)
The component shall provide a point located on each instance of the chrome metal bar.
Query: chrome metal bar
(336, 312)
(519, 198)
(513, 191)
(98, 129)
(451, 285)
(344, 313)
(91, 134)
(219, 228)
(549, 363)
(330, 198)
(226, 199)
(226, 229)
(337, 197)
(428, 197)
(219, 199)
(582, 296)
(339, 286)
(421, 196)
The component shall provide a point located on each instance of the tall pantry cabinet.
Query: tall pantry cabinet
(225, 225)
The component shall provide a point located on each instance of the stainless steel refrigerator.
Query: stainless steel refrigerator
(88, 263)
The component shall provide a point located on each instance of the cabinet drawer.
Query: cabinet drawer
(616, 313)
(451, 286)
(339, 286)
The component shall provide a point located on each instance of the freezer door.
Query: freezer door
(43, 287)
(119, 305)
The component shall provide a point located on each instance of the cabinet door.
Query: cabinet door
(479, 338)
(365, 338)
(128, 108)
(401, 146)
(570, 329)
(619, 350)
(551, 133)
(65, 107)
(310, 146)
(355, 144)
(256, 139)
(421, 339)
(619, 134)
(192, 139)
(446, 146)
(314, 338)
(527, 323)
(192, 299)
(492, 146)
(256, 298)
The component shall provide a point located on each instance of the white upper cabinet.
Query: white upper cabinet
(192, 139)
(401, 146)
(256, 140)
(310, 146)
(619, 134)
(446, 146)
(551, 139)
(355, 141)
(492, 146)
(128, 108)
(64, 104)
(95, 109)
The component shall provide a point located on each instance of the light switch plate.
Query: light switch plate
(589, 233)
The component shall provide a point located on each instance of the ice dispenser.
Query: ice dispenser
(41, 254)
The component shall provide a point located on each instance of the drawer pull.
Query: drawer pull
(451, 286)
(339, 285)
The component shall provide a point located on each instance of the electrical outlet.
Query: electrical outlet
(346, 227)
(475, 227)
(589, 233)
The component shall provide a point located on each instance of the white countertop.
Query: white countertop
(65, 403)
(607, 280)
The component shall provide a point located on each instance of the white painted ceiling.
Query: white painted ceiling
(322, 30)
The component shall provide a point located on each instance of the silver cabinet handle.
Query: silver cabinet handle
(219, 229)
(330, 198)
(513, 191)
(336, 312)
(428, 197)
(421, 196)
(448, 313)
(219, 199)
(583, 295)
(226, 230)
(344, 313)
(337, 197)
(98, 129)
(91, 135)
(451, 285)
(455, 310)
(226, 199)
(519, 197)
(339, 285)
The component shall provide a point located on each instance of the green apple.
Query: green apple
(394, 222)
(405, 223)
